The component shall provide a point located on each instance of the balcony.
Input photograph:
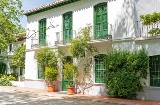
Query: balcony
(35, 43)
(64, 37)
(147, 32)
(98, 33)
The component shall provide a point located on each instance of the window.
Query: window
(40, 72)
(100, 69)
(154, 64)
(21, 71)
(67, 27)
(10, 47)
(42, 31)
(100, 21)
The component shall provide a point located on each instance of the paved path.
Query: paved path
(16, 97)
(30, 96)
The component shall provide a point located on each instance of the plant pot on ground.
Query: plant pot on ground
(70, 73)
(50, 76)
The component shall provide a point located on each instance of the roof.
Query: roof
(47, 7)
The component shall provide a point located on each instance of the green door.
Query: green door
(65, 83)
(67, 59)
(67, 27)
(42, 32)
(100, 21)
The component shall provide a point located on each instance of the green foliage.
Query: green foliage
(7, 77)
(80, 46)
(124, 71)
(51, 74)
(5, 82)
(70, 72)
(15, 75)
(3, 67)
(18, 59)
(47, 58)
(10, 12)
(151, 19)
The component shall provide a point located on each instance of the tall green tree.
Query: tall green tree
(18, 59)
(10, 12)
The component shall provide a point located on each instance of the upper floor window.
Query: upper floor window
(42, 31)
(100, 21)
(67, 27)
(154, 64)
(10, 47)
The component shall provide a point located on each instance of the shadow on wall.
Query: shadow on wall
(124, 24)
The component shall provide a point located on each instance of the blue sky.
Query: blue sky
(30, 4)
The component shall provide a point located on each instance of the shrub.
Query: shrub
(5, 82)
(7, 77)
(50, 75)
(124, 71)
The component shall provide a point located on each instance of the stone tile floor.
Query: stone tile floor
(30, 96)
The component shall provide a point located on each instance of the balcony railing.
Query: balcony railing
(64, 37)
(35, 43)
(98, 32)
(144, 31)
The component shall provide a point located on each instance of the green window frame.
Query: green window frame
(10, 47)
(40, 72)
(67, 27)
(101, 21)
(21, 71)
(154, 65)
(42, 32)
(99, 68)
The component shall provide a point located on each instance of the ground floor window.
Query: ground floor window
(100, 69)
(154, 64)
(40, 72)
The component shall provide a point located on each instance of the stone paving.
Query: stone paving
(17, 97)
(30, 96)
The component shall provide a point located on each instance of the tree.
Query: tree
(83, 51)
(10, 12)
(18, 59)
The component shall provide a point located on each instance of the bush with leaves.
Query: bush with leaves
(5, 82)
(50, 75)
(124, 71)
(46, 57)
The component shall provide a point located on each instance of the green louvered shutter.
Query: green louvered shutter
(100, 21)
(67, 27)
(42, 32)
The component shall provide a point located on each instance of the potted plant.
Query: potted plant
(50, 76)
(70, 73)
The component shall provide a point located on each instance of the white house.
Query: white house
(116, 24)
(10, 52)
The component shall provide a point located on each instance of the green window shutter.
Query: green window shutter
(67, 27)
(42, 31)
(154, 66)
(100, 69)
(100, 21)
(40, 72)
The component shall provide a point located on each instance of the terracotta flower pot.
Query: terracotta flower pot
(51, 88)
(70, 90)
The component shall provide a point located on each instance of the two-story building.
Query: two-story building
(115, 24)
(8, 53)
